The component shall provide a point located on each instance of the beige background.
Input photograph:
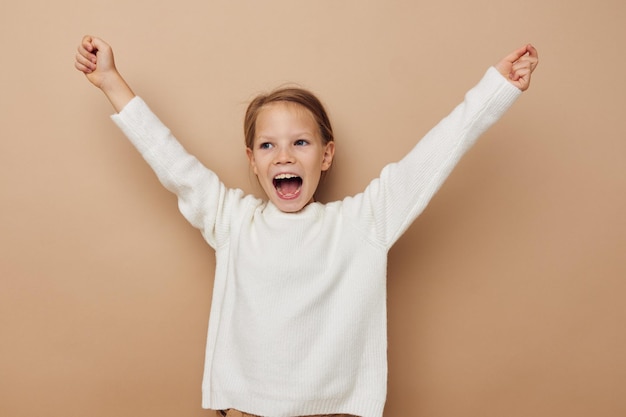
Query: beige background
(506, 295)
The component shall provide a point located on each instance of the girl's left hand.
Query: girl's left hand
(519, 65)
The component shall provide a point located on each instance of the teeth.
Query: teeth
(285, 176)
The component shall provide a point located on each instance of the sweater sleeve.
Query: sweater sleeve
(201, 195)
(403, 189)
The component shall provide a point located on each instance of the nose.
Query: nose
(284, 155)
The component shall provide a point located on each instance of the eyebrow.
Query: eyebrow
(294, 136)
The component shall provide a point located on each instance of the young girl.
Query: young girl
(298, 316)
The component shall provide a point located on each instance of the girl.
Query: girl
(298, 317)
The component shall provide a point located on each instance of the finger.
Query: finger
(522, 63)
(87, 43)
(532, 52)
(82, 68)
(84, 52)
(85, 61)
(98, 44)
(521, 74)
(526, 62)
(531, 56)
(517, 54)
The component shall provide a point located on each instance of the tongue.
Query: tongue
(288, 187)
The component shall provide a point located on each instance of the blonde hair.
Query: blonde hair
(292, 95)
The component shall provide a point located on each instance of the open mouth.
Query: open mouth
(287, 185)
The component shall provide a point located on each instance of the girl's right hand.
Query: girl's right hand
(95, 59)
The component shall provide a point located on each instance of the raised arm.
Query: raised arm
(95, 59)
(404, 189)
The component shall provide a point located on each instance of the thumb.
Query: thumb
(98, 44)
(518, 53)
(505, 66)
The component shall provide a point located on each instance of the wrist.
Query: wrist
(117, 90)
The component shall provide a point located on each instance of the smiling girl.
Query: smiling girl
(298, 316)
(290, 144)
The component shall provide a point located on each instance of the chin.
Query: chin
(290, 206)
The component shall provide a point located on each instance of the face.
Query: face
(288, 155)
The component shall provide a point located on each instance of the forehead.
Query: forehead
(285, 115)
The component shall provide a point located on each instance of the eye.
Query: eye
(301, 142)
(265, 145)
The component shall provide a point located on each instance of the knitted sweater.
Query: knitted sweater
(298, 315)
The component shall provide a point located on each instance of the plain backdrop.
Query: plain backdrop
(506, 297)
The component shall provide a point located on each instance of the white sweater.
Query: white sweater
(298, 316)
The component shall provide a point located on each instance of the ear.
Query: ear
(329, 153)
(252, 161)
